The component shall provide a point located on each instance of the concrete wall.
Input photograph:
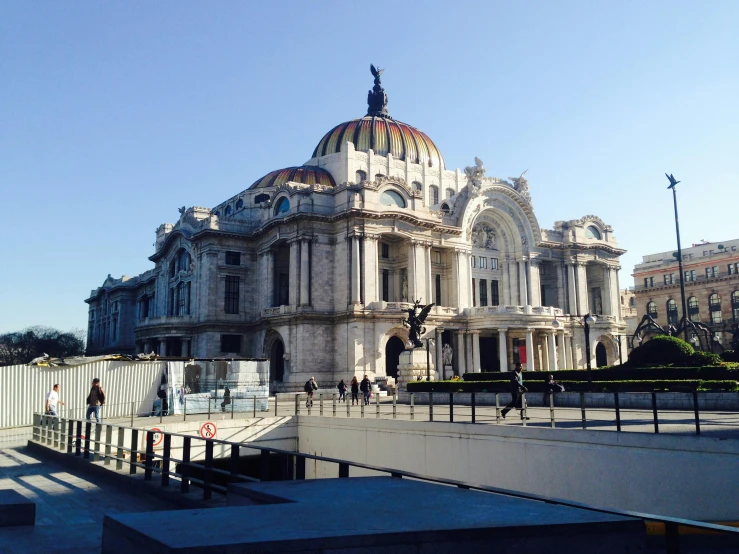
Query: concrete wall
(690, 477)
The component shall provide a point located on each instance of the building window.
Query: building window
(494, 295)
(227, 211)
(392, 198)
(672, 312)
(473, 261)
(259, 198)
(360, 176)
(445, 208)
(714, 307)
(434, 192)
(231, 344)
(483, 262)
(711, 272)
(632, 302)
(474, 293)
(379, 177)
(648, 282)
(735, 305)
(592, 232)
(483, 292)
(239, 204)
(438, 289)
(385, 248)
(670, 279)
(690, 275)
(233, 258)
(693, 310)
(282, 206)
(733, 269)
(449, 193)
(385, 285)
(231, 304)
(493, 263)
(418, 187)
(652, 310)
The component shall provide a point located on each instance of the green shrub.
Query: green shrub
(662, 350)
(675, 385)
(730, 356)
(702, 359)
(726, 370)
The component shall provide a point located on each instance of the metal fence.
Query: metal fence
(119, 445)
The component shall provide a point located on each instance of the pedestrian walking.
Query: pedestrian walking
(310, 387)
(354, 385)
(342, 390)
(550, 388)
(517, 390)
(95, 400)
(52, 399)
(366, 387)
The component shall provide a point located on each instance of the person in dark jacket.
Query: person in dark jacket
(517, 389)
(355, 390)
(551, 387)
(366, 387)
(342, 390)
(310, 387)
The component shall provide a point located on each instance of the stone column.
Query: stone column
(522, 288)
(561, 287)
(607, 291)
(530, 365)
(355, 265)
(513, 277)
(561, 350)
(552, 352)
(269, 287)
(411, 272)
(476, 351)
(429, 287)
(294, 261)
(439, 361)
(469, 358)
(503, 349)
(162, 346)
(458, 356)
(371, 270)
(534, 282)
(569, 361)
(304, 272)
(462, 283)
(505, 283)
(571, 290)
(582, 289)
(617, 292)
(545, 363)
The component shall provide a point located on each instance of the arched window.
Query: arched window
(392, 198)
(693, 310)
(227, 211)
(671, 312)
(632, 301)
(282, 206)
(445, 208)
(714, 307)
(735, 305)
(449, 193)
(360, 176)
(379, 176)
(239, 204)
(592, 232)
(417, 187)
(434, 193)
(652, 309)
(183, 260)
(217, 214)
(173, 268)
(259, 198)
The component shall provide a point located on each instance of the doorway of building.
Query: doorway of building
(393, 348)
(489, 354)
(601, 356)
(277, 361)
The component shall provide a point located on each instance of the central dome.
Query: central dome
(384, 136)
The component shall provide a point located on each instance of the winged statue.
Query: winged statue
(376, 73)
(415, 322)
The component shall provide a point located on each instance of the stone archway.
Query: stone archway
(277, 360)
(393, 348)
(601, 355)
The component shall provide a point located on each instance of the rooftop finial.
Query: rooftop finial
(376, 98)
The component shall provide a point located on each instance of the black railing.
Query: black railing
(47, 431)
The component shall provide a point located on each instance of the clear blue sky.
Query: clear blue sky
(114, 114)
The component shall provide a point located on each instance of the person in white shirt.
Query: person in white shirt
(52, 399)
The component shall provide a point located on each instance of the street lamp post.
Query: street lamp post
(681, 275)
(587, 321)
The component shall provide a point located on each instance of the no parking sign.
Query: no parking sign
(208, 430)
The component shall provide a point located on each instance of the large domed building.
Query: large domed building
(314, 267)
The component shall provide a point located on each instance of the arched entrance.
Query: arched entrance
(601, 356)
(393, 348)
(276, 361)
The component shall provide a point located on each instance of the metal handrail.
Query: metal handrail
(671, 523)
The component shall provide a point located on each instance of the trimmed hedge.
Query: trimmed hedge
(730, 356)
(680, 385)
(618, 373)
(662, 349)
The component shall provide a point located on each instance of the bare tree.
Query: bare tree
(20, 347)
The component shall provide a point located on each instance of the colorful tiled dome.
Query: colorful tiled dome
(383, 135)
(306, 174)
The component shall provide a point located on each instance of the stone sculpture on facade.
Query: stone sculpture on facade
(376, 98)
(521, 184)
(475, 175)
(483, 236)
(415, 322)
(404, 288)
(446, 355)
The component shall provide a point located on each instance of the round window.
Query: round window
(592, 232)
(392, 198)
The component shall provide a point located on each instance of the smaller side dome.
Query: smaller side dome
(306, 174)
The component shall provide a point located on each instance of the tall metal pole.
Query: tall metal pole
(428, 362)
(680, 266)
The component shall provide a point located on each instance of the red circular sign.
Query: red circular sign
(158, 435)
(208, 430)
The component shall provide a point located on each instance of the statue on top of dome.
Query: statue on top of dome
(376, 98)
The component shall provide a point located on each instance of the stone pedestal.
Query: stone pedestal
(412, 367)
